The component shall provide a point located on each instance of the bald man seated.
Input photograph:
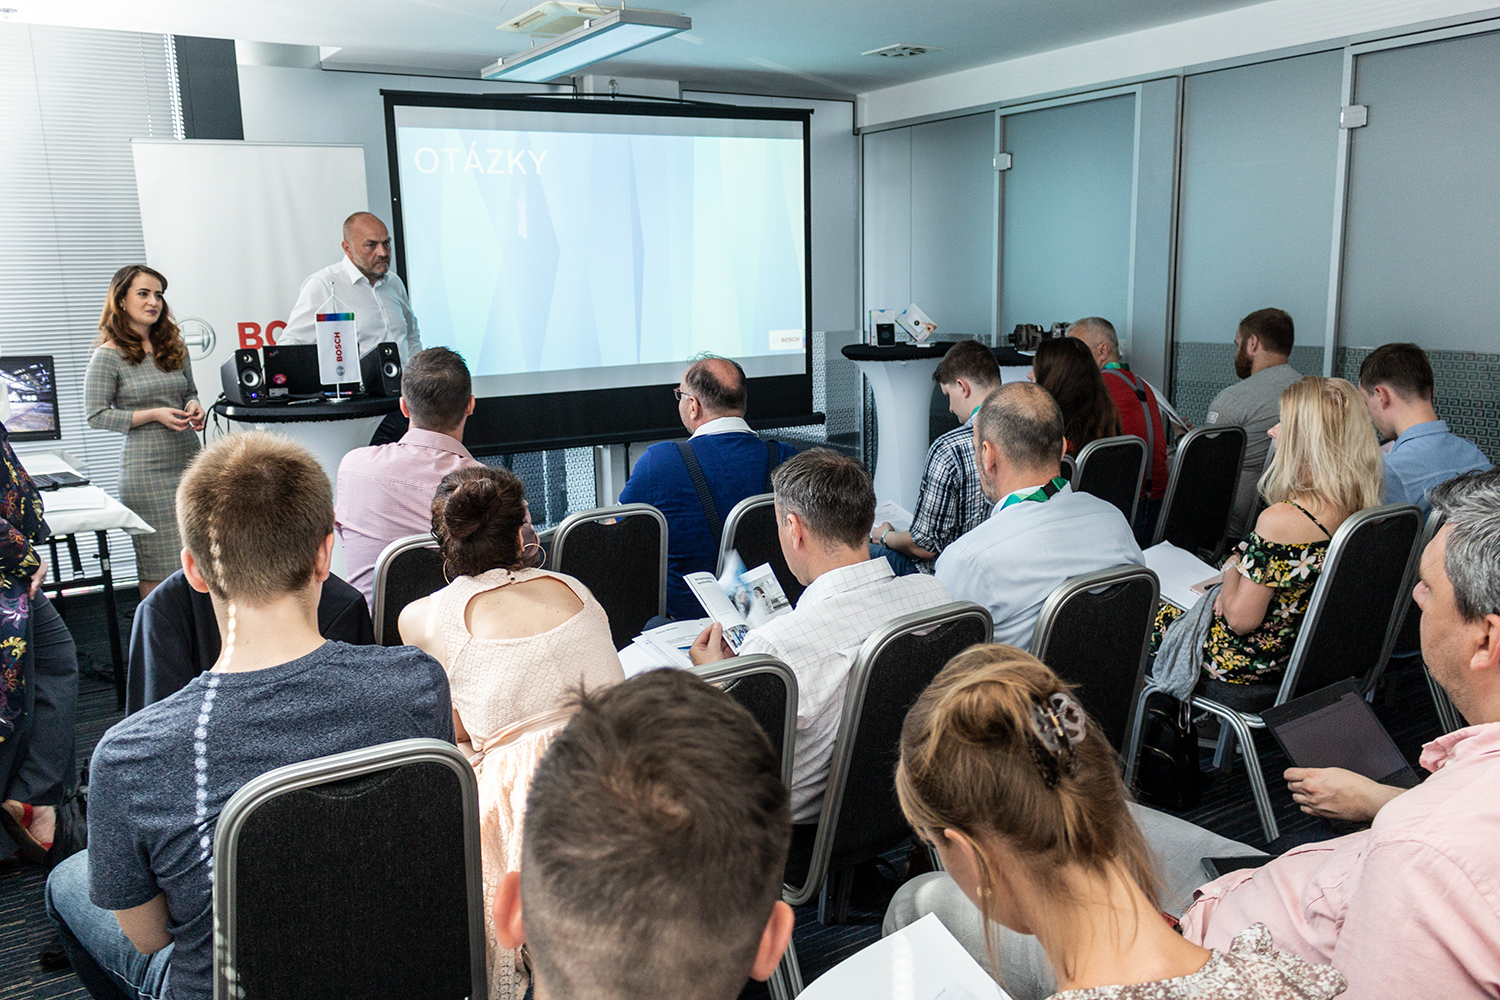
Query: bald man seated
(723, 457)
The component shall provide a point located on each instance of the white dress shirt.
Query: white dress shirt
(1014, 560)
(382, 311)
(818, 640)
(723, 425)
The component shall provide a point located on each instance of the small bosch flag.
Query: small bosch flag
(338, 347)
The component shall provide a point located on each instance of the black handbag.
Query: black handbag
(1169, 775)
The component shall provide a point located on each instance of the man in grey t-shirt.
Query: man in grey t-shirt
(1262, 344)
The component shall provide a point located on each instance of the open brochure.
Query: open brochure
(919, 962)
(1184, 577)
(740, 599)
(891, 511)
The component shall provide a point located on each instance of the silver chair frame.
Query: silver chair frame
(1046, 623)
(1240, 725)
(382, 568)
(619, 513)
(732, 524)
(323, 770)
(1100, 444)
(1174, 480)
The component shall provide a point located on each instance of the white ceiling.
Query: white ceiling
(795, 47)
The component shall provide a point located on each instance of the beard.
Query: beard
(1242, 366)
(986, 486)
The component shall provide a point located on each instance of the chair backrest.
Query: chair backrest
(1112, 468)
(861, 816)
(407, 570)
(352, 875)
(767, 689)
(1069, 467)
(1355, 609)
(1094, 631)
(750, 530)
(620, 554)
(1201, 491)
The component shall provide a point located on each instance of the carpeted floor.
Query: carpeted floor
(1404, 706)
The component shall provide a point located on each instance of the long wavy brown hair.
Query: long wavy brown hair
(1064, 367)
(167, 346)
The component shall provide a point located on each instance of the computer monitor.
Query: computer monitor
(31, 387)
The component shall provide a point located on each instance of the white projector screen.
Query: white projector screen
(561, 247)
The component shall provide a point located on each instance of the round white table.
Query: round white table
(901, 380)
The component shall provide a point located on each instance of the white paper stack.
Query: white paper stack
(897, 515)
(663, 646)
(919, 962)
(73, 498)
(1179, 572)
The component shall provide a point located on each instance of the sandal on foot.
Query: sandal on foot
(27, 846)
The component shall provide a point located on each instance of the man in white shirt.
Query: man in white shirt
(825, 506)
(1040, 532)
(362, 282)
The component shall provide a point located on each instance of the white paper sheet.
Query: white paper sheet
(890, 510)
(663, 646)
(74, 498)
(1178, 570)
(919, 962)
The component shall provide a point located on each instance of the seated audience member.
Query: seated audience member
(1262, 344)
(1041, 532)
(951, 501)
(385, 491)
(1001, 770)
(1064, 367)
(513, 640)
(1396, 382)
(656, 835)
(1325, 468)
(732, 464)
(256, 517)
(1407, 908)
(1140, 414)
(825, 504)
(175, 637)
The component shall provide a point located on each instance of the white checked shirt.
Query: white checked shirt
(382, 311)
(818, 640)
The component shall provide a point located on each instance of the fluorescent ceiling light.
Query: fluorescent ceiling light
(599, 39)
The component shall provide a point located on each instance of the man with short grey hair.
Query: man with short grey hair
(1040, 532)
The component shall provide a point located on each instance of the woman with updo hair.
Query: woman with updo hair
(513, 640)
(1005, 775)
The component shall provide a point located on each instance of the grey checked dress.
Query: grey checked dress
(155, 455)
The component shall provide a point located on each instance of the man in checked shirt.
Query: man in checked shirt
(951, 501)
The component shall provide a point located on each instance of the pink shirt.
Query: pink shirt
(385, 493)
(1408, 908)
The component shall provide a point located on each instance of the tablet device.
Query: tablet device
(1336, 727)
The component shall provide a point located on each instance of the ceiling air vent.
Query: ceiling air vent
(902, 51)
(550, 19)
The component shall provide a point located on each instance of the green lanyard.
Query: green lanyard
(1042, 495)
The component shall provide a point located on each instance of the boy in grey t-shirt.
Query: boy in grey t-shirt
(256, 515)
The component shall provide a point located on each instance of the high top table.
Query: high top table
(901, 379)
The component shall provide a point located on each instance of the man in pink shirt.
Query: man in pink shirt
(1411, 906)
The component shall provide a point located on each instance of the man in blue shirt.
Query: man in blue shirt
(1396, 381)
(732, 464)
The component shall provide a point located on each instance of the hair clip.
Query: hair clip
(1059, 724)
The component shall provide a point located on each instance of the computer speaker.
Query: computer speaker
(381, 370)
(244, 381)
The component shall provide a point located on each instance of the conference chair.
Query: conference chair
(406, 570)
(352, 875)
(1094, 631)
(1408, 645)
(1112, 469)
(750, 530)
(1201, 490)
(1353, 617)
(861, 818)
(620, 554)
(1069, 468)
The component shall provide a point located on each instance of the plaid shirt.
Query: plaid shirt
(951, 501)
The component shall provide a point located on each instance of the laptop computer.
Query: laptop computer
(292, 372)
(1336, 727)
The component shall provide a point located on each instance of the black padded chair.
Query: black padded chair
(1112, 469)
(1200, 491)
(750, 530)
(352, 875)
(1353, 617)
(1094, 631)
(861, 818)
(1069, 467)
(620, 554)
(407, 570)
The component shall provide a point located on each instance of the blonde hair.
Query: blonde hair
(972, 763)
(1327, 447)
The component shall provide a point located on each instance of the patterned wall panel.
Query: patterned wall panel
(1467, 391)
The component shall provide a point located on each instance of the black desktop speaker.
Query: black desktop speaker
(244, 382)
(381, 370)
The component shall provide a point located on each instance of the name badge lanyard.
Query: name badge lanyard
(1047, 492)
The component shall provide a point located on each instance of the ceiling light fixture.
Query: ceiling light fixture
(598, 39)
(902, 51)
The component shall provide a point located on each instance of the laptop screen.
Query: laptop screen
(31, 390)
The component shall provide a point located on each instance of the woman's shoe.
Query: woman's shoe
(27, 846)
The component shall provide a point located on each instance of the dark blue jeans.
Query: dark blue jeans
(903, 564)
(106, 962)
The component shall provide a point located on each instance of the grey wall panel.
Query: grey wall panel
(1255, 228)
(1144, 334)
(1067, 214)
(1422, 243)
(887, 219)
(953, 215)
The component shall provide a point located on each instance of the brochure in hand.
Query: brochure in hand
(739, 599)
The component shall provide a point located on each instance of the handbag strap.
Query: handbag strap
(710, 509)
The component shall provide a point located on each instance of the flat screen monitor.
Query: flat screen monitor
(31, 391)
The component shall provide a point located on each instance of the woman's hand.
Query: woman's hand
(1334, 793)
(195, 415)
(174, 419)
(39, 577)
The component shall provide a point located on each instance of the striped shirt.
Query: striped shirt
(951, 501)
